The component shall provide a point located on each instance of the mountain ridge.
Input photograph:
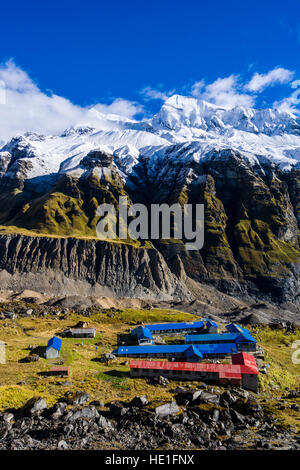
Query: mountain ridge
(248, 181)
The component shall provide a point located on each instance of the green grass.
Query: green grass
(113, 382)
(277, 345)
(131, 315)
(103, 382)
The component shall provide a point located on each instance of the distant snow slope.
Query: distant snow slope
(184, 128)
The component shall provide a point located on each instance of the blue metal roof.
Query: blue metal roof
(209, 323)
(142, 332)
(235, 328)
(219, 348)
(245, 336)
(175, 326)
(55, 343)
(193, 351)
(211, 337)
(152, 349)
(233, 337)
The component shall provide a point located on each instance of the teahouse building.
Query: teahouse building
(242, 372)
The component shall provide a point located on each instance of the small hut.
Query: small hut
(53, 348)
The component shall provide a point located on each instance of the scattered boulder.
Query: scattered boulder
(62, 445)
(196, 426)
(167, 409)
(87, 413)
(206, 397)
(139, 401)
(58, 410)
(161, 381)
(105, 424)
(117, 409)
(35, 405)
(81, 398)
(107, 358)
(33, 358)
(10, 315)
(237, 417)
(8, 417)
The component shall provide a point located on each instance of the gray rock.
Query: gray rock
(167, 409)
(62, 445)
(81, 398)
(33, 358)
(163, 381)
(216, 415)
(108, 357)
(38, 406)
(139, 401)
(207, 397)
(87, 413)
(10, 315)
(104, 424)
(194, 396)
(237, 417)
(4, 429)
(8, 417)
(59, 410)
(117, 410)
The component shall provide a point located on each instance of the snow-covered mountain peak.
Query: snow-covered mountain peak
(185, 129)
(180, 111)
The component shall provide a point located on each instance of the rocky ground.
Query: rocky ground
(215, 304)
(196, 419)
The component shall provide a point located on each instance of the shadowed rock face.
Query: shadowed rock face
(97, 158)
(123, 269)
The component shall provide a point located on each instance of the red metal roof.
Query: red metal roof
(59, 369)
(244, 358)
(230, 369)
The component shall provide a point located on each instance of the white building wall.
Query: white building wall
(51, 353)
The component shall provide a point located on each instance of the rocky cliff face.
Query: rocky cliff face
(98, 267)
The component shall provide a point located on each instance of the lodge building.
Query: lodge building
(242, 372)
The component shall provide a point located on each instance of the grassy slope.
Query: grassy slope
(110, 382)
(101, 381)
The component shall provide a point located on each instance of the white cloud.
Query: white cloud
(289, 104)
(27, 108)
(223, 92)
(260, 81)
(120, 107)
(150, 93)
(197, 87)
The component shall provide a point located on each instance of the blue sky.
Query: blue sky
(97, 52)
